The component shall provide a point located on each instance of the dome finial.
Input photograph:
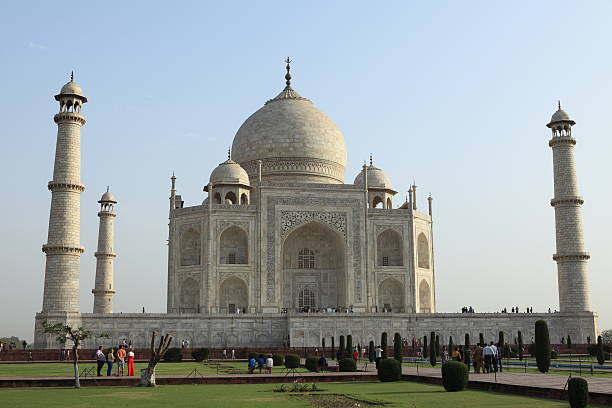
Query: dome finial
(559, 103)
(370, 159)
(229, 153)
(288, 75)
(107, 189)
(71, 76)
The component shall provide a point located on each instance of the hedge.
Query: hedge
(347, 365)
(578, 392)
(173, 355)
(542, 346)
(292, 361)
(200, 354)
(278, 360)
(312, 364)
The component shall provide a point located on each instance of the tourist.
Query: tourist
(478, 356)
(456, 356)
(322, 363)
(252, 364)
(378, 351)
(487, 353)
(224, 354)
(363, 353)
(110, 358)
(30, 357)
(269, 364)
(233, 354)
(499, 356)
(467, 357)
(261, 362)
(355, 354)
(100, 360)
(444, 355)
(121, 361)
(130, 357)
(339, 355)
(494, 356)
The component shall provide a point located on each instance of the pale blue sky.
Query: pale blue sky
(455, 95)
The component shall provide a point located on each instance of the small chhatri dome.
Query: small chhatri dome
(108, 197)
(71, 89)
(376, 178)
(229, 172)
(560, 116)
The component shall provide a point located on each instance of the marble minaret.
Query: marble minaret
(105, 256)
(63, 248)
(571, 257)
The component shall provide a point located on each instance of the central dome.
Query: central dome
(296, 142)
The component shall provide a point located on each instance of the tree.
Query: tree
(147, 375)
(481, 339)
(569, 342)
(333, 348)
(542, 346)
(323, 345)
(600, 351)
(383, 345)
(349, 345)
(466, 348)
(432, 350)
(606, 336)
(342, 346)
(66, 333)
(437, 345)
(425, 348)
(501, 340)
(397, 347)
(450, 344)
(520, 346)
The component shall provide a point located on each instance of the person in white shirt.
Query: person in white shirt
(487, 353)
(269, 364)
(494, 357)
(378, 352)
(233, 354)
(224, 354)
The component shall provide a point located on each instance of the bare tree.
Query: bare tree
(66, 333)
(147, 375)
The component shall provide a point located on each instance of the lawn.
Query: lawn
(183, 368)
(336, 395)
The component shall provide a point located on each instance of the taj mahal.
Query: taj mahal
(284, 252)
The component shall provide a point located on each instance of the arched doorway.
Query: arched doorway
(190, 296)
(390, 296)
(314, 268)
(389, 248)
(233, 296)
(233, 246)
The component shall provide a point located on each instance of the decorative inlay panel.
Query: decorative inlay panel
(289, 220)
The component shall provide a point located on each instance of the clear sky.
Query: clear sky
(454, 95)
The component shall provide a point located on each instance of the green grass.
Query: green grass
(183, 368)
(399, 394)
(586, 371)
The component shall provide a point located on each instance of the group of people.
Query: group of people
(467, 309)
(261, 362)
(487, 358)
(11, 346)
(232, 354)
(110, 357)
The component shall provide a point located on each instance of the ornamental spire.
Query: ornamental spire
(71, 76)
(288, 74)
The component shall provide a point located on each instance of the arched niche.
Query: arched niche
(190, 253)
(422, 251)
(424, 297)
(233, 296)
(378, 202)
(389, 247)
(391, 296)
(233, 246)
(313, 258)
(189, 297)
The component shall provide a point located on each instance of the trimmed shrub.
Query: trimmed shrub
(312, 364)
(349, 345)
(450, 344)
(292, 361)
(466, 347)
(389, 370)
(437, 346)
(347, 365)
(342, 346)
(397, 347)
(501, 340)
(600, 351)
(578, 392)
(425, 348)
(333, 348)
(200, 354)
(371, 352)
(569, 342)
(173, 355)
(592, 349)
(432, 350)
(520, 346)
(278, 360)
(481, 339)
(542, 346)
(323, 345)
(383, 345)
(454, 376)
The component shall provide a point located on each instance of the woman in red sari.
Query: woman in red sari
(130, 358)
